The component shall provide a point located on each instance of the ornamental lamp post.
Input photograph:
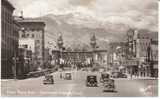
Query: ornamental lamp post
(15, 59)
(60, 46)
(93, 42)
(93, 45)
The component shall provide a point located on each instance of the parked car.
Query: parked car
(104, 76)
(109, 85)
(84, 69)
(68, 76)
(48, 79)
(91, 81)
(119, 75)
(115, 74)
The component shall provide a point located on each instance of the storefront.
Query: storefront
(130, 67)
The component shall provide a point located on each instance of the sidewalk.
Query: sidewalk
(137, 78)
(3, 80)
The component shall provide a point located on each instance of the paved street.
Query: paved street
(76, 87)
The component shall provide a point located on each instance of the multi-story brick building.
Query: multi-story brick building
(116, 54)
(24, 65)
(34, 29)
(9, 39)
(81, 58)
(154, 54)
(140, 49)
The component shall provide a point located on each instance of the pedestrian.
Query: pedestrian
(61, 75)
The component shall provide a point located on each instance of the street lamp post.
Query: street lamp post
(93, 44)
(15, 59)
(60, 45)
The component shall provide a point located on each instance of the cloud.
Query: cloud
(135, 13)
(85, 3)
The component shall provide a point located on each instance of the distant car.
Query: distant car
(108, 85)
(121, 75)
(115, 74)
(68, 76)
(118, 75)
(48, 79)
(104, 76)
(91, 81)
(84, 69)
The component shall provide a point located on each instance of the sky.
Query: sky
(134, 13)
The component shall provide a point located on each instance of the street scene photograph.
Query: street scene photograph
(79, 48)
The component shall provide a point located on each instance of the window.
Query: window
(23, 35)
(27, 35)
(25, 46)
(32, 35)
(38, 47)
(38, 41)
(37, 52)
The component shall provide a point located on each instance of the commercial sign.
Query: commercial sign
(130, 63)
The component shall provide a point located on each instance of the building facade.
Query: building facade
(116, 55)
(25, 63)
(80, 59)
(154, 54)
(28, 43)
(47, 58)
(34, 29)
(140, 51)
(9, 39)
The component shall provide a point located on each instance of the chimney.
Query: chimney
(21, 16)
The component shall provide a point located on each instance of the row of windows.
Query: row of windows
(144, 37)
(23, 35)
(8, 34)
(27, 35)
(145, 43)
(6, 15)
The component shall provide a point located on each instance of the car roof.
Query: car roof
(105, 74)
(91, 75)
(68, 73)
(49, 76)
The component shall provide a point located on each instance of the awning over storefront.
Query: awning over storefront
(130, 63)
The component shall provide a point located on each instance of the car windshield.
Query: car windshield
(105, 75)
(48, 77)
(91, 78)
(68, 73)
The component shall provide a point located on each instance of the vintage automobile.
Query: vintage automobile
(121, 75)
(68, 76)
(91, 81)
(115, 74)
(108, 85)
(104, 76)
(84, 69)
(48, 79)
(118, 75)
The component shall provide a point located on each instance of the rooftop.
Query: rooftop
(20, 19)
(8, 3)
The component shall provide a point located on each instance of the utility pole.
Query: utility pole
(93, 44)
(60, 45)
(15, 65)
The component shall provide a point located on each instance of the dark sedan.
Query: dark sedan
(48, 79)
(91, 81)
(109, 85)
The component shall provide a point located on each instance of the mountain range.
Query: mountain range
(77, 31)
